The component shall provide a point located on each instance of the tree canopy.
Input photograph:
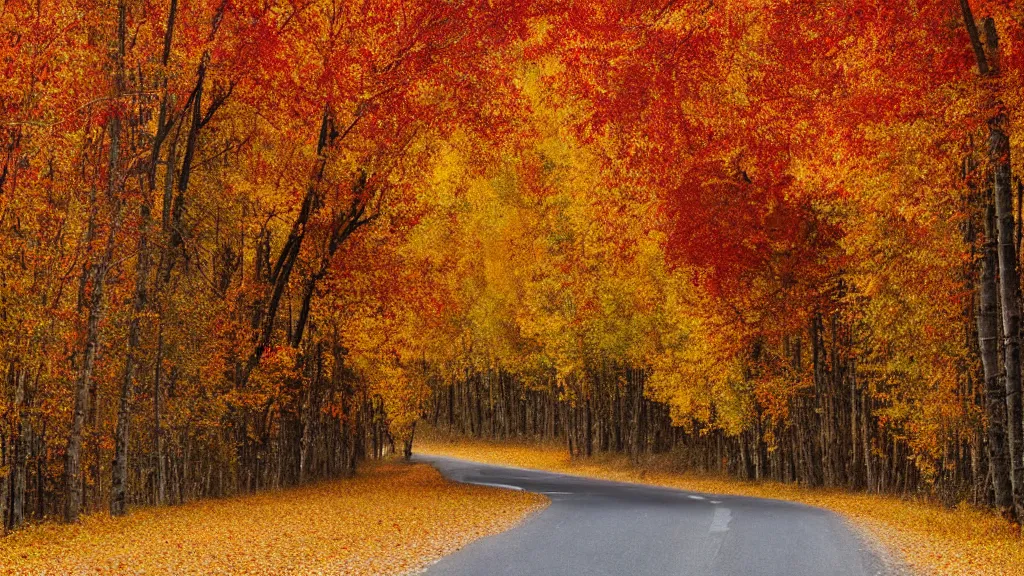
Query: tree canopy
(247, 244)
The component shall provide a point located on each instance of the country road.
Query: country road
(600, 528)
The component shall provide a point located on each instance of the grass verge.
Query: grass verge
(392, 518)
(932, 540)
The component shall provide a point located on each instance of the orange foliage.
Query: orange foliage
(355, 526)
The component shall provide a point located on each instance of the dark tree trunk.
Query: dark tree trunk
(995, 392)
(160, 482)
(999, 247)
(5, 486)
(407, 443)
(588, 437)
(119, 474)
(19, 476)
(83, 381)
(1009, 291)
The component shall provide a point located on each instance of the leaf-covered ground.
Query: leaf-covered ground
(389, 519)
(934, 541)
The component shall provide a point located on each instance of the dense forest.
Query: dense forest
(246, 245)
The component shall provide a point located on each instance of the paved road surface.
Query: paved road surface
(598, 528)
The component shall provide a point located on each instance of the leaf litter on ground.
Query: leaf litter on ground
(390, 519)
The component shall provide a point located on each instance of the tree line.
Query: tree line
(830, 437)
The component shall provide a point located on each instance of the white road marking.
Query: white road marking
(720, 521)
(694, 497)
(557, 493)
(494, 485)
(716, 501)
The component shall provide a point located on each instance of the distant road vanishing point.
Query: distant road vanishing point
(601, 528)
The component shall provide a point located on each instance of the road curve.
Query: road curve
(600, 528)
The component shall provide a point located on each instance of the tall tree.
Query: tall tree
(988, 62)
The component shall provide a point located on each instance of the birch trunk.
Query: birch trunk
(995, 393)
(1009, 291)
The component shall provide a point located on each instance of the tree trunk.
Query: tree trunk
(987, 56)
(160, 487)
(97, 272)
(1009, 291)
(19, 476)
(266, 315)
(73, 455)
(995, 393)
(407, 444)
(588, 437)
(5, 483)
(119, 474)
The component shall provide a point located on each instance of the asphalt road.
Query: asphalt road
(598, 528)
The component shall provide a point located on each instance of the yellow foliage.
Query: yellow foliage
(354, 526)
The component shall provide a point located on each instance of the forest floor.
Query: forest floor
(391, 518)
(930, 539)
